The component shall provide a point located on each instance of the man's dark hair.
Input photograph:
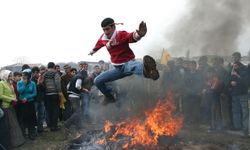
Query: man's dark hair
(17, 74)
(236, 54)
(193, 62)
(25, 66)
(101, 62)
(107, 21)
(73, 69)
(96, 66)
(51, 65)
(35, 69)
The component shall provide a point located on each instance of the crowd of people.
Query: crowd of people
(206, 93)
(210, 93)
(41, 96)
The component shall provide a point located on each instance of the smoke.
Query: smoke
(211, 27)
(135, 95)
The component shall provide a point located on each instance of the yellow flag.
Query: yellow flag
(165, 57)
(62, 100)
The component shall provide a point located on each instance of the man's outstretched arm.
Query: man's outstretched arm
(99, 44)
(141, 32)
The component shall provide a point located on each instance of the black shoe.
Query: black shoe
(32, 137)
(150, 70)
(40, 131)
(54, 129)
(108, 99)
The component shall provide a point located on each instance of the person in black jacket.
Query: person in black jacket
(75, 88)
(239, 84)
(52, 84)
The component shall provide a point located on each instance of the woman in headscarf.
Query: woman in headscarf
(12, 136)
(27, 92)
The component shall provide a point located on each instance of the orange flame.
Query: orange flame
(107, 126)
(160, 121)
(101, 141)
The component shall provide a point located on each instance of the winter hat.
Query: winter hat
(27, 72)
(82, 63)
(66, 67)
(4, 74)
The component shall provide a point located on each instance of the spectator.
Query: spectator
(65, 79)
(52, 83)
(58, 70)
(27, 93)
(11, 134)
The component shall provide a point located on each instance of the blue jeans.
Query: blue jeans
(40, 110)
(240, 112)
(118, 72)
(85, 98)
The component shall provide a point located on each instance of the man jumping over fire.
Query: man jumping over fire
(122, 57)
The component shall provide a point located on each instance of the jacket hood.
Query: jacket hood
(4, 74)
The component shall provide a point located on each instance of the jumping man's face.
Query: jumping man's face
(109, 30)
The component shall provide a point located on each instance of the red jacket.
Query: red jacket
(118, 46)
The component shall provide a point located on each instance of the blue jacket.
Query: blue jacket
(27, 91)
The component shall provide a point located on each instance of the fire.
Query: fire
(107, 126)
(159, 121)
(101, 141)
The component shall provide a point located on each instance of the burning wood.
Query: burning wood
(107, 126)
(136, 133)
(101, 141)
(160, 121)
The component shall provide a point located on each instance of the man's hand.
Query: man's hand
(234, 73)
(91, 53)
(14, 102)
(142, 29)
(24, 100)
(85, 90)
(233, 83)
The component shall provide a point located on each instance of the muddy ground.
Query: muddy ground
(188, 139)
(135, 96)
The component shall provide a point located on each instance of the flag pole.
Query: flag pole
(162, 55)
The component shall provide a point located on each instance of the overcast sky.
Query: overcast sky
(62, 31)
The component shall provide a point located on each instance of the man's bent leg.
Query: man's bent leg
(107, 76)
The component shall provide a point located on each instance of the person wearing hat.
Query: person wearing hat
(122, 56)
(27, 92)
(65, 79)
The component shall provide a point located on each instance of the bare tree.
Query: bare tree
(20, 60)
